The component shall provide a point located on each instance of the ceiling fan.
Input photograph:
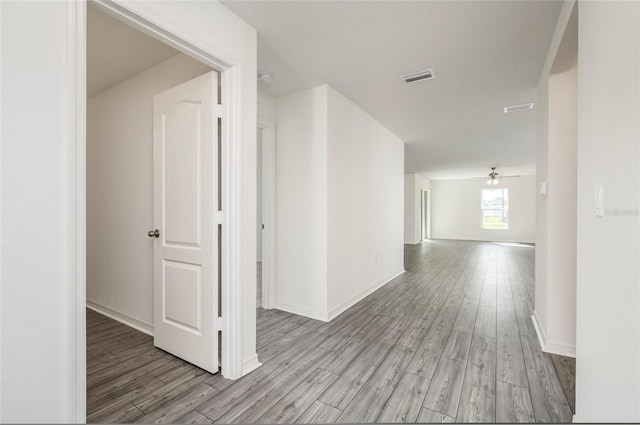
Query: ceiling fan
(493, 176)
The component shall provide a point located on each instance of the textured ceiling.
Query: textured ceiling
(485, 55)
(117, 52)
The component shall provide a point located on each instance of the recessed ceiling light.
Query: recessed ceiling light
(265, 77)
(516, 108)
(427, 74)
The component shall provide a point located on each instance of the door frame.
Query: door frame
(425, 214)
(268, 129)
(138, 16)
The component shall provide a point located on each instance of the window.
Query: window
(495, 209)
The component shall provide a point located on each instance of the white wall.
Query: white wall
(259, 197)
(608, 292)
(364, 203)
(414, 184)
(36, 259)
(301, 203)
(37, 195)
(555, 298)
(339, 203)
(456, 213)
(120, 190)
(266, 107)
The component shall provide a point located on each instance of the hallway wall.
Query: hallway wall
(608, 292)
(365, 166)
(339, 203)
(301, 203)
(556, 161)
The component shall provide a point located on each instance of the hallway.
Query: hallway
(449, 340)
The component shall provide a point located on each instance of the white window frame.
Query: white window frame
(505, 207)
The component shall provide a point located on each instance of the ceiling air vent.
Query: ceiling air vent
(516, 108)
(427, 74)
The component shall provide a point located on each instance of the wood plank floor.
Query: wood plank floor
(450, 340)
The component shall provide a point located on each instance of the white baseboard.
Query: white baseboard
(482, 240)
(132, 322)
(548, 346)
(335, 312)
(300, 311)
(542, 338)
(560, 349)
(250, 364)
(575, 420)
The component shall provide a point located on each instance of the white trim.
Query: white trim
(123, 318)
(551, 347)
(135, 14)
(542, 337)
(533, 243)
(574, 419)
(268, 210)
(232, 230)
(1, 421)
(560, 349)
(250, 364)
(301, 311)
(76, 123)
(335, 312)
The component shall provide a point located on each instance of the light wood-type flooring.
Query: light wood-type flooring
(450, 340)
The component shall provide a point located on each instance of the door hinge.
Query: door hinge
(219, 324)
(219, 217)
(219, 111)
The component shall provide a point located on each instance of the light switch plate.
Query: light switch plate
(543, 188)
(599, 200)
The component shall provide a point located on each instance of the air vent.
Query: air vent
(427, 74)
(516, 108)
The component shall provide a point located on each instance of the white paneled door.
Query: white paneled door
(185, 190)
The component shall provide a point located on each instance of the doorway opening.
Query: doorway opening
(259, 220)
(153, 260)
(265, 213)
(425, 231)
(195, 44)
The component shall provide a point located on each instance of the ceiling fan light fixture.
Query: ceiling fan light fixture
(493, 178)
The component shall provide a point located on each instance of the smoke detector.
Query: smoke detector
(427, 74)
(516, 108)
(265, 77)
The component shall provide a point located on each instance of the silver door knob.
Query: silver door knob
(154, 233)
